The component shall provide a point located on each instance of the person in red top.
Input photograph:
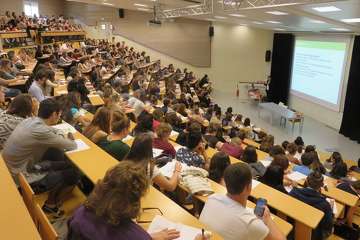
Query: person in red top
(233, 149)
(163, 132)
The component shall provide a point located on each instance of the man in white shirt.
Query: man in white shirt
(228, 215)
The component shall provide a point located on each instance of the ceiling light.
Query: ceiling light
(351, 20)
(140, 5)
(109, 4)
(340, 29)
(210, 19)
(220, 17)
(274, 22)
(256, 22)
(278, 13)
(143, 9)
(316, 21)
(327, 9)
(236, 15)
(279, 29)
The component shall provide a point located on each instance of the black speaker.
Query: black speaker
(268, 56)
(121, 13)
(211, 31)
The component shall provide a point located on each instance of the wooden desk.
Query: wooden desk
(306, 217)
(19, 82)
(251, 143)
(15, 220)
(94, 162)
(284, 226)
(96, 100)
(155, 199)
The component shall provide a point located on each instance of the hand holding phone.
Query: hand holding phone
(260, 207)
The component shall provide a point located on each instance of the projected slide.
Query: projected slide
(318, 70)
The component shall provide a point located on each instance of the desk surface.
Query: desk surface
(94, 162)
(15, 220)
(284, 226)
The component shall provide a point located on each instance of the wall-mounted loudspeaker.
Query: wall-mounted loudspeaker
(211, 31)
(268, 56)
(121, 13)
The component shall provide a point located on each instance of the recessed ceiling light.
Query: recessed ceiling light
(327, 9)
(143, 9)
(256, 22)
(140, 5)
(274, 22)
(351, 20)
(316, 21)
(236, 15)
(109, 4)
(220, 17)
(210, 19)
(279, 29)
(278, 13)
(340, 29)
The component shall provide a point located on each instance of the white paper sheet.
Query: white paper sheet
(157, 152)
(296, 176)
(186, 232)
(65, 128)
(174, 134)
(80, 146)
(254, 184)
(266, 163)
(128, 138)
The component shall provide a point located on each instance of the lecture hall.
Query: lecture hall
(180, 119)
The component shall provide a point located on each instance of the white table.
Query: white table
(282, 112)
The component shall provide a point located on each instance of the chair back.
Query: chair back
(27, 194)
(45, 228)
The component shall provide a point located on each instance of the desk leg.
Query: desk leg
(302, 232)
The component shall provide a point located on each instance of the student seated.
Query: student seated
(251, 158)
(141, 152)
(218, 164)
(352, 188)
(210, 136)
(113, 143)
(40, 157)
(228, 215)
(38, 86)
(194, 153)
(311, 194)
(163, 132)
(274, 177)
(110, 208)
(144, 124)
(291, 150)
(267, 143)
(338, 167)
(100, 126)
(306, 160)
(233, 148)
(71, 110)
(21, 107)
(190, 127)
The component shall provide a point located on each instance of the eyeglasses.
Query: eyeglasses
(144, 211)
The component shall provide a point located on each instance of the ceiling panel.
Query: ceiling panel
(299, 18)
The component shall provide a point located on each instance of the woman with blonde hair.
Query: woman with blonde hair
(108, 212)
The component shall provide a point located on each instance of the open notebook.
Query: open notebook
(186, 232)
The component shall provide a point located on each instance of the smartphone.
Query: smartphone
(260, 207)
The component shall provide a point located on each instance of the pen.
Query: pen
(202, 234)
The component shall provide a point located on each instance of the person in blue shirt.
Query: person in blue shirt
(194, 154)
(306, 160)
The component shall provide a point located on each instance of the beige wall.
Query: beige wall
(237, 52)
(184, 39)
(51, 7)
(46, 7)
